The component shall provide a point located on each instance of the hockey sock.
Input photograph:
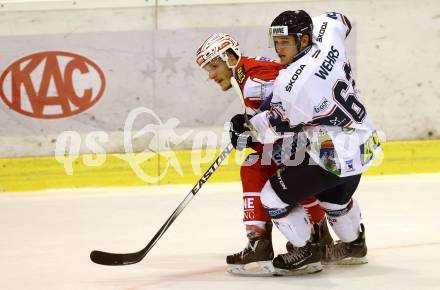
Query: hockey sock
(344, 219)
(313, 210)
(253, 208)
(255, 231)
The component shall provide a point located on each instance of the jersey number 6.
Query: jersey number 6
(348, 101)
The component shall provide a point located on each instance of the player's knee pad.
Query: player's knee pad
(295, 226)
(275, 206)
(344, 219)
(292, 221)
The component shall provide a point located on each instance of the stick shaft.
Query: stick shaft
(118, 259)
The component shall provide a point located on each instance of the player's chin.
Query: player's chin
(283, 59)
(225, 85)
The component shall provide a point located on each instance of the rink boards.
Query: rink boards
(178, 167)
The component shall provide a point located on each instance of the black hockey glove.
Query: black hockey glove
(239, 132)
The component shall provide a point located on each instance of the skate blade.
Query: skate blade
(347, 261)
(307, 269)
(258, 269)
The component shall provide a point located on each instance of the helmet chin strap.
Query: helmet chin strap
(298, 41)
(233, 69)
(225, 58)
(298, 44)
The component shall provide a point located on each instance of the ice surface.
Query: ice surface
(46, 238)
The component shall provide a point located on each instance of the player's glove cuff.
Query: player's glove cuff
(240, 134)
(238, 123)
(242, 140)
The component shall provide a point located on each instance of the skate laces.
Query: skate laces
(296, 255)
(339, 250)
(251, 246)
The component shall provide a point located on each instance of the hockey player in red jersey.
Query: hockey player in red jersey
(221, 58)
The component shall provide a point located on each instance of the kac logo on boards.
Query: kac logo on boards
(52, 85)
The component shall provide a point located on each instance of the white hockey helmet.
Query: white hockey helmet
(217, 45)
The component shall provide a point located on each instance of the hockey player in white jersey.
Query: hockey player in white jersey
(221, 58)
(315, 95)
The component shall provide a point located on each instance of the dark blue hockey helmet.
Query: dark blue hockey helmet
(289, 22)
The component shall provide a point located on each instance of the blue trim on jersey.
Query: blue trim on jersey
(348, 23)
(265, 105)
(277, 213)
(302, 53)
(340, 212)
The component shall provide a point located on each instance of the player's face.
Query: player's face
(219, 72)
(286, 48)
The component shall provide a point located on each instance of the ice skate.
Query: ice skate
(325, 240)
(352, 253)
(300, 260)
(256, 258)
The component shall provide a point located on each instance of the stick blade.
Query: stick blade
(114, 259)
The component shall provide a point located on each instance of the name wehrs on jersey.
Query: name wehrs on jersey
(328, 63)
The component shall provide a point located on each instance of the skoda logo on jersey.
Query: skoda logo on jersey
(294, 78)
(322, 31)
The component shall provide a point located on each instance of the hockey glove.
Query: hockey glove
(240, 134)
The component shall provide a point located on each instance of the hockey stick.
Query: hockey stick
(118, 259)
(114, 259)
(237, 90)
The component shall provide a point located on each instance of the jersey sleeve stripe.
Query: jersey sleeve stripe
(347, 23)
(253, 98)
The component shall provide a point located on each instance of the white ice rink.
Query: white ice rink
(46, 238)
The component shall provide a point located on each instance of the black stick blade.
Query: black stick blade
(113, 259)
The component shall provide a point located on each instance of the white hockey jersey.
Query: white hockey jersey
(316, 95)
